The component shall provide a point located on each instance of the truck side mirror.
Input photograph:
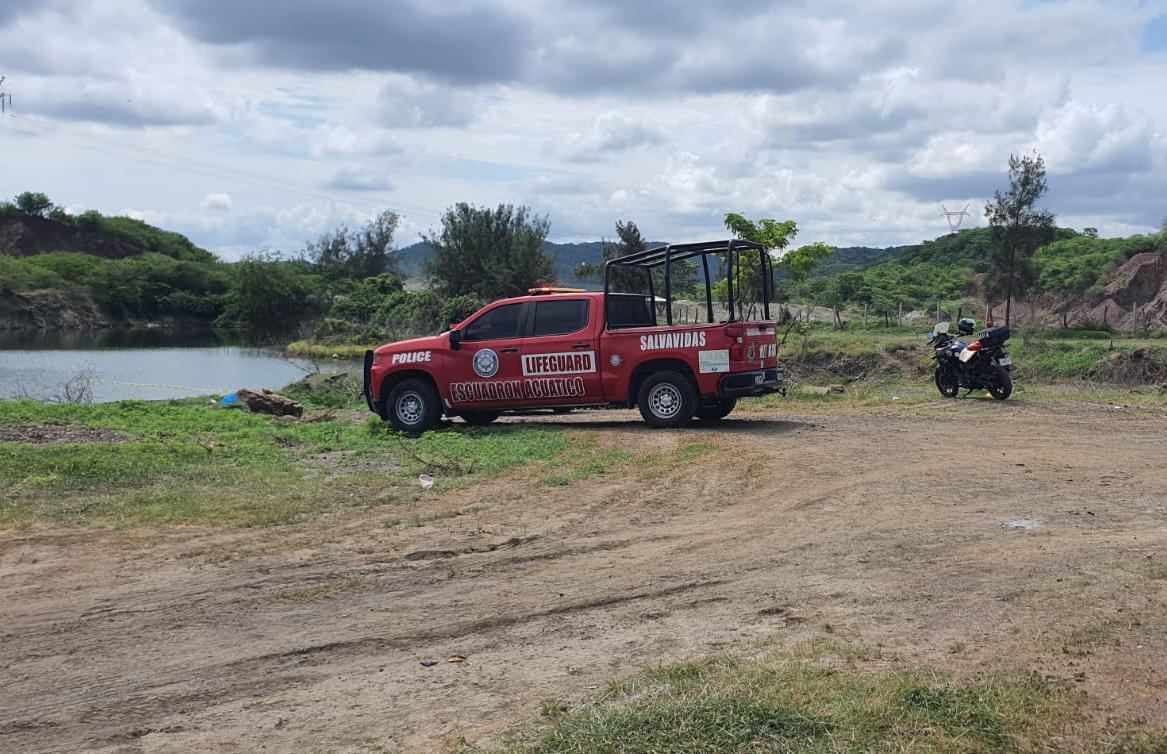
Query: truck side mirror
(455, 339)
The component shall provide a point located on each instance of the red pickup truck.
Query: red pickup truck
(564, 348)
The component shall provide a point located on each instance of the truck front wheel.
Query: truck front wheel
(667, 399)
(413, 406)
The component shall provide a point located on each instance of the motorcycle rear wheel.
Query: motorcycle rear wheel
(1002, 386)
(947, 383)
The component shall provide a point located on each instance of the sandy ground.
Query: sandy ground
(882, 527)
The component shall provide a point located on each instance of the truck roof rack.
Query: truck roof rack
(676, 252)
(665, 255)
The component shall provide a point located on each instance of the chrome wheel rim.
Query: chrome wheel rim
(665, 401)
(410, 407)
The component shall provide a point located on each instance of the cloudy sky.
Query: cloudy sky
(253, 124)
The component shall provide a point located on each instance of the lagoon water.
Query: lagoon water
(146, 364)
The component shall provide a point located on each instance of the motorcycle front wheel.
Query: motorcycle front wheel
(947, 382)
(1002, 386)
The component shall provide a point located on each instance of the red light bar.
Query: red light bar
(545, 289)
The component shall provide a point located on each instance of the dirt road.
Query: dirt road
(886, 528)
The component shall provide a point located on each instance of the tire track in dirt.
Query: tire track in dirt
(861, 522)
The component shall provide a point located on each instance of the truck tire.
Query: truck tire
(718, 410)
(413, 406)
(667, 399)
(479, 418)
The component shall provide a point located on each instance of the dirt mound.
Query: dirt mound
(824, 364)
(24, 236)
(1136, 297)
(1142, 366)
(904, 361)
(50, 310)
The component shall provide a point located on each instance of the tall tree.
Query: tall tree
(629, 241)
(488, 252)
(35, 203)
(357, 254)
(1019, 228)
(774, 236)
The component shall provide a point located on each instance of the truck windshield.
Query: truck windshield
(497, 324)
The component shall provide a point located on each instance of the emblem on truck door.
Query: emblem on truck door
(486, 363)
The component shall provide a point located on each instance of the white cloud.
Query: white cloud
(857, 120)
(360, 178)
(405, 102)
(611, 132)
(216, 202)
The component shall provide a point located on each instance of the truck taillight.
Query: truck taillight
(734, 333)
(376, 358)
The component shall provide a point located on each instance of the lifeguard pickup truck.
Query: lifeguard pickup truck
(568, 348)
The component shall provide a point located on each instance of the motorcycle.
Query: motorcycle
(980, 365)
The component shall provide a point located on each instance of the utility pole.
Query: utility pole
(5, 98)
(954, 218)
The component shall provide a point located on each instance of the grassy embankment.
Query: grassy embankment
(815, 698)
(139, 463)
(190, 462)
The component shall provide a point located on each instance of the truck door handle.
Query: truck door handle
(509, 350)
(581, 345)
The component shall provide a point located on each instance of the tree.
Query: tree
(630, 242)
(356, 255)
(1019, 229)
(843, 289)
(774, 236)
(34, 203)
(488, 253)
(268, 292)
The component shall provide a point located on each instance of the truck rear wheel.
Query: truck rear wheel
(667, 399)
(718, 410)
(413, 406)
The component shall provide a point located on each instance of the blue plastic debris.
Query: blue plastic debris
(229, 400)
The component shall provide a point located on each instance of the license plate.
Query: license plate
(759, 379)
(1005, 361)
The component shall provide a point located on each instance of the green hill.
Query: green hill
(1074, 265)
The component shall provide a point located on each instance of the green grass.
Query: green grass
(307, 349)
(186, 462)
(582, 461)
(819, 697)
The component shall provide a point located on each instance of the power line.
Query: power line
(267, 179)
(35, 127)
(139, 153)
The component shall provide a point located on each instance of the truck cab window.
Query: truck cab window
(560, 317)
(497, 324)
